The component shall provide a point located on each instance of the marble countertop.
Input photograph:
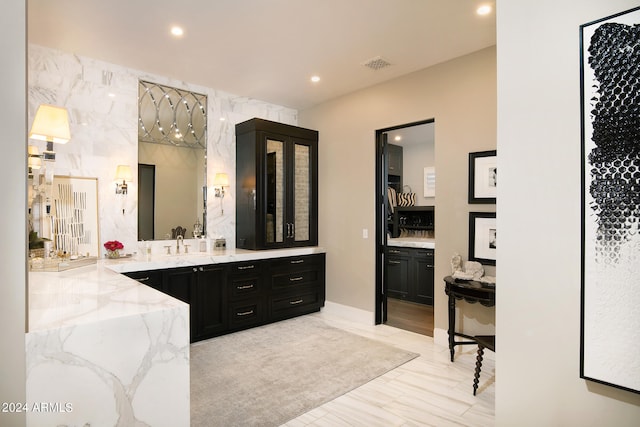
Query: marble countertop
(158, 261)
(89, 294)
(412, 242)
(98, 293)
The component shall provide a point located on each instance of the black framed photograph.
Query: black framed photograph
(483, 177)
(610, 288)
(482, 237)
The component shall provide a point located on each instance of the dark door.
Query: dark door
(382, 215)
(146, 201)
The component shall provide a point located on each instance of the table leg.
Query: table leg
(452, 324)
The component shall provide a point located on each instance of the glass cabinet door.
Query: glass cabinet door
(302, 192)
(275, 189)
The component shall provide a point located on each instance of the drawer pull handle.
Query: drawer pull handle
(143, 279)
(298, 301)
(429, 266)
(297, 261)
(245, 313)
(243, 287)
(394, 262)
(246, 267)
(393, 251)
(295, 279)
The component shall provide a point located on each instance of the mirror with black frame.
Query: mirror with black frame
(172, 162)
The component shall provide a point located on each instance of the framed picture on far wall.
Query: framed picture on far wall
(610, 297)
(482, 237)
(483, 177)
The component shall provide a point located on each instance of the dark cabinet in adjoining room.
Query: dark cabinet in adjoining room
(277, 185)
(409, 274)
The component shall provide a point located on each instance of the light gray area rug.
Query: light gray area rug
(269, 375)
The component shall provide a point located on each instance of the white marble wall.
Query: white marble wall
(102, 102)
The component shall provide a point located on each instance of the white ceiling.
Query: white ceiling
(266, 49)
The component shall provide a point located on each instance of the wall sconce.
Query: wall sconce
(51, 124)
(123, 173)
(220, 181)
(34, 160)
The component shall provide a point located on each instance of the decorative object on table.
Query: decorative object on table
(113, 248)
(482, 237)
(610, 95)
(483, 177)
(456, 263)
(406, 198)
(470, 270)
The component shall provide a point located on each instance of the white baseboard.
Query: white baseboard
(349, 313)
(441, 337)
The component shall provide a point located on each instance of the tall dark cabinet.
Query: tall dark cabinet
(277, 185)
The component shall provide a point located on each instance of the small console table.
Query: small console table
(472, 292)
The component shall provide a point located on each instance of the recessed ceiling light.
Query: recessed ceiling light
(315, 79)
(483, 10)
(177, 31)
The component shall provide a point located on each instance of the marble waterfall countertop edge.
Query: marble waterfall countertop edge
(98, 292)
(412, 242)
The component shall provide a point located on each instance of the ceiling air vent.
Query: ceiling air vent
(376, 63)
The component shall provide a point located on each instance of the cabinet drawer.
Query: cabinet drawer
(293, 304)
(246, 313)
(245, 286)
(248, 267)
(394, 251)
(151, 278)
(423, 254)
(294, 279)
(295, 263)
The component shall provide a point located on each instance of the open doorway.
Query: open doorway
(405, 235)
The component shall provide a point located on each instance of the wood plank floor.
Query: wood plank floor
(410, 316)
(430, 390)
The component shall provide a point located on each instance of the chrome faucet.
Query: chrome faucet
(179, 239)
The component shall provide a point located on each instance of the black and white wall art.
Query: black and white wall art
(610, 298)
(483, 237)
(483, 177)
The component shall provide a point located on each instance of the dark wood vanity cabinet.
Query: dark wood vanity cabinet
(209, 302)
(297, 286)
(277, 185)
(409, 274)
(229, 297)
(246, 295)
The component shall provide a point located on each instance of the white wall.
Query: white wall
(13, 112)
(461, 96)
(538, 296)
